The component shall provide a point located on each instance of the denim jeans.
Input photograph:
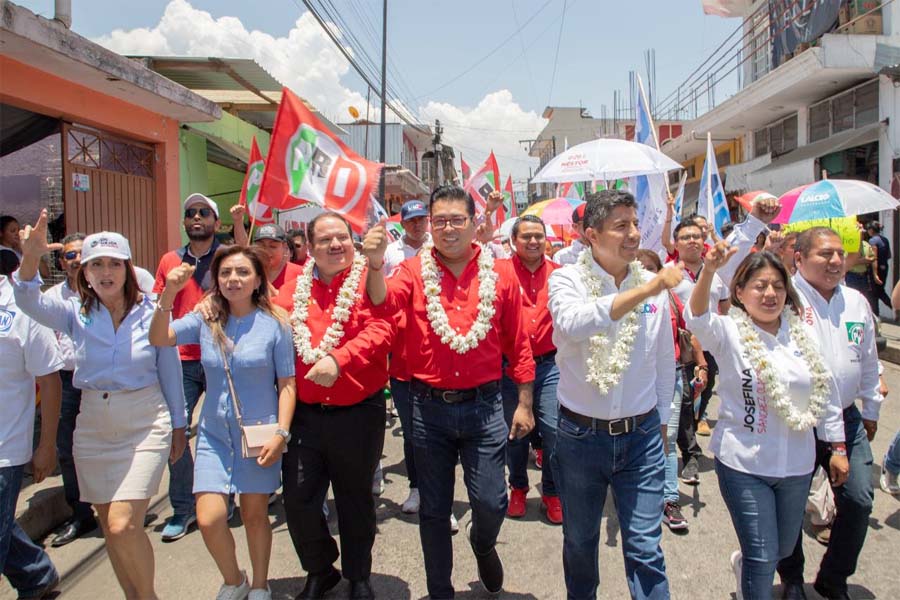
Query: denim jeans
(853, 501)
(473, 432)
(400, 393)
(24, 563)
(546, 410)
(181, 474)
(767, 513)
(589, 461)
(68, 414)
(892, 457)
(670, 492)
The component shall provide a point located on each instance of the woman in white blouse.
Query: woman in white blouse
(774, 389)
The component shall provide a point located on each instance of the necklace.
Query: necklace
(758, 356)
(437, 316)
(346, 298)
(606, 366)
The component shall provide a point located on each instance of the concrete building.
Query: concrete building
(90, 134)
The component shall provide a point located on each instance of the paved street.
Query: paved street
(531, 549)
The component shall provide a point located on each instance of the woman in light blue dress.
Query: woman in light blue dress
(254, 337)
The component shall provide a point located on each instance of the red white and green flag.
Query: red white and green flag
(482, 183)
(308, 165)
(509, 199)
(259, 212)
(466, 170)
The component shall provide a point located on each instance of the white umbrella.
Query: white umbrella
(505, 230)
(605, 159)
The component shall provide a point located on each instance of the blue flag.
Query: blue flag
(649, 190)
(679, 200)
(711, 203)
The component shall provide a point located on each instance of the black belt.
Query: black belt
(545, 357)
(614, 427)
(455, 396)
(321, 407)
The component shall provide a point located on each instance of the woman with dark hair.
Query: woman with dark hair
(10, 245)
(774, 389)
(248, 358)
(132, 407)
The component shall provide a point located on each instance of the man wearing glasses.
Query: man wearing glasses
(463, 315)
(201, 220)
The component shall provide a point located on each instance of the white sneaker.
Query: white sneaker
(889, 482)
(737, 566)
(411, 504)
(378, 481)
(234, 592)
(454, 525)
(257, 594)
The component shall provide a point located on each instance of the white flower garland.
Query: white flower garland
(605, 367)
(758, 356)
(346, 298)
(487, 293)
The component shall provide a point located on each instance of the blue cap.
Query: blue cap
(413, 209)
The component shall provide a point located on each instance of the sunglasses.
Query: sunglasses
(190, 213)
(72, 254)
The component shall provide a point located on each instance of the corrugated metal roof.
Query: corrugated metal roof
(211, 73)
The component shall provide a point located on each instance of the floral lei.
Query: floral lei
(758, 355)
(437, 316)
(605, 367)
(346, 298)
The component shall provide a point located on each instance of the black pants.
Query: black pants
(341, 447)
(687, 427)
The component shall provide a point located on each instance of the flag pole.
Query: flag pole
(383, 101)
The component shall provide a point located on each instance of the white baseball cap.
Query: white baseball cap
(200, 199)
(105, 243)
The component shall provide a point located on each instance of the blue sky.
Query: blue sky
(430, 44)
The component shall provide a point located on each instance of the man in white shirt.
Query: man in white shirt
(844, 328)
(30, 354)
(414, 218)
(82, 519)
(570, 254)
(616, 357)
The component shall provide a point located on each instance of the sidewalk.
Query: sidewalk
(891, 333)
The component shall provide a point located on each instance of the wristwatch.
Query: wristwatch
(284, 434)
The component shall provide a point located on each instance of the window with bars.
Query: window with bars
(777, 138)
(847, 111)
(819, 121)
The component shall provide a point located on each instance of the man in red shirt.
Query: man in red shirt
(201, 219)
(533, 270)
(463, 315)
(342, 346)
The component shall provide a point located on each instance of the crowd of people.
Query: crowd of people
(603, 360)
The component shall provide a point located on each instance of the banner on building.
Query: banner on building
(795, 22)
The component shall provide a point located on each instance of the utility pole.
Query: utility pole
(383, 103)
(438, 153)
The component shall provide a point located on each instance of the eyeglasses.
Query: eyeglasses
(190, 213)
(72, 254)
(456, 221)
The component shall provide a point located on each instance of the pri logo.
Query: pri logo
(6, 320)
(855, 332)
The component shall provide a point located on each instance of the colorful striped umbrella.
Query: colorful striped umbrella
(831, 198)
(556, 211)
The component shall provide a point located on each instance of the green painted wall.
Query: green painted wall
(192, 162)
(225, 188)
(235, 131)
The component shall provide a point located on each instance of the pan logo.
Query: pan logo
(6, 320)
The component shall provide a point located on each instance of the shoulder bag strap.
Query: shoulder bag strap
(232, 391)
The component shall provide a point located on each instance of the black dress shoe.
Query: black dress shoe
(490, 571)
(792, 591)
(320, 584)
(72, 531)
(830, 592)
(361, 590)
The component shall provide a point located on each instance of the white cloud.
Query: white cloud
(308, 63)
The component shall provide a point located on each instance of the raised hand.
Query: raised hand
(237, 213)
(774, 242)
(375, 244)
(670, 276)
(766, 209)
(718, 255)
(34, 239)
(178, 277)
(494, 202)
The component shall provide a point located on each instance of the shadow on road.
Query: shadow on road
(384, 586)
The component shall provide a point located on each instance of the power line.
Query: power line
(556, 58)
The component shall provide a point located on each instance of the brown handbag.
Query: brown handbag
(683, 336)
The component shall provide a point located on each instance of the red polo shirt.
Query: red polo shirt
(535, 301)
(289, 273)
(432, 361)
(362, 353)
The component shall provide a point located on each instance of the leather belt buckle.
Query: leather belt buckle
(452, 396)
(620, 426)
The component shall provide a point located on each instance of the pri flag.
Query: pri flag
(509, 199)
(483, 182)
(466, 170)
(307, 164)
(711, 203)
(258, 211)
(649, 190)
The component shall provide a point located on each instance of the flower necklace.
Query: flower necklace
(605, 367)
(757, 354)
(437, 316)
(346, 298)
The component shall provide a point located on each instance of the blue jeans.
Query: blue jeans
(589, 461)
(68, 414)
(181, 474)
(24, 563)
(400, 393)
(767, 513)
(670, 491)
(892, 458)
(546, 410)
(474, 433)
(853, 501)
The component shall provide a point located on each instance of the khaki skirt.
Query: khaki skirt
(121, 444)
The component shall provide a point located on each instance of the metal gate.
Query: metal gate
(109, 186)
